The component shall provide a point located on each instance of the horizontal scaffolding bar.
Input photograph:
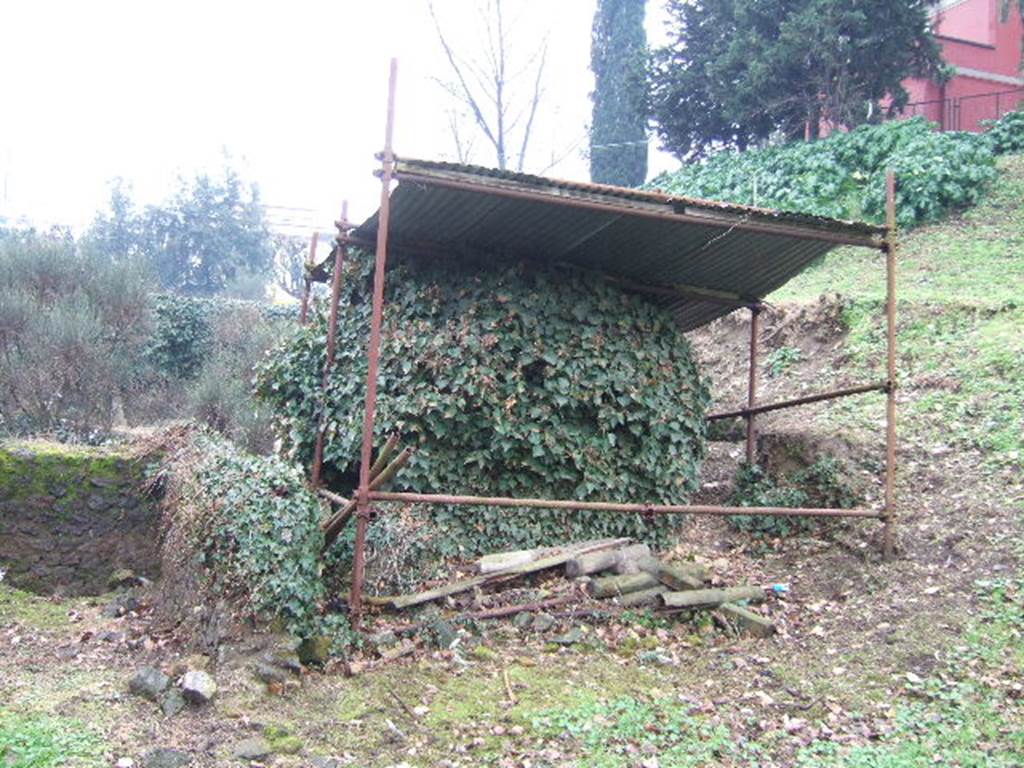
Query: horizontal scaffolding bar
(878, 387)
(609, 506)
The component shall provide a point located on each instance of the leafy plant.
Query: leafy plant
(843, 175)
(513, 380)
(35, 741)
(1006, 133)
(781, 359)
(754, 488)
(254, 527)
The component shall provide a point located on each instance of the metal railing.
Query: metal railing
(963, 113)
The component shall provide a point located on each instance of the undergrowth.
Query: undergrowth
(28, 741)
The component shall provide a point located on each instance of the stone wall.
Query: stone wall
(72, 515)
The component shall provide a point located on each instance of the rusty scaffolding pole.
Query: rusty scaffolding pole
(755, 332)
(387, 159)
(890, 349)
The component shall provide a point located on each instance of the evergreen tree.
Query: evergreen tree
(618, 134)
(738, 71)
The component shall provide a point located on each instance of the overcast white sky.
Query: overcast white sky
(294, 91)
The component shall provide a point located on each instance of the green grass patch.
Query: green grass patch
(33, 741)
(972, 259)
(31, 610)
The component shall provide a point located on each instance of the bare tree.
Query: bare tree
(497, 98)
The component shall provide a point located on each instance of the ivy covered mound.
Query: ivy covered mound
(507, 380)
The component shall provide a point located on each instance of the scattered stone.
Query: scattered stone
(522, 620)
(573, 636)
(66, 653)
(198, 687)
(324, 762)
(126, 602)
(254, 748)
(268, 673)
(285, 660)
(165, 757)
(123, 578)
(542, 622)
(124, 762)
(172, 703)
(382, 640)
(114, 638)
(444, 634)
(654, 657)
(149, 683)
(315, 650)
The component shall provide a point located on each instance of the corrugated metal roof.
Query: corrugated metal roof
(699, 259)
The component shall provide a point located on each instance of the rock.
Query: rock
(254, 748)
(444, 634)
(149, 683)
(114, 638)
(542, 622)
(315, 650)
(165, 757)
(285, 660)
(324, 762)
(382, 640)
(573, 636)
(66, 652)
(484, 653)
(124, 762)
(172, 703)
(120, 605)
(123, 578)
(198, 687)
(522, 620)
(268, 673)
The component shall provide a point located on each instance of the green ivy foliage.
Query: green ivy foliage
(1006, 133)
(256, 529)
(508, 380)
(843, 175)
(821, 484)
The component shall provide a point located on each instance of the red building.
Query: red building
(982, 41)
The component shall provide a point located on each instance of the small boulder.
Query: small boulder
(573, 636)
(198, 687)
(149, 683)
(542, 622)
(172, 703)
(324, 762)
(165, 757)
(522, 620)
(255, 748)
(315, 650)
(443, 634)
(124, 603)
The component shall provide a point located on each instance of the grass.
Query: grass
(974, 259)
(36, 741)
(31, 610)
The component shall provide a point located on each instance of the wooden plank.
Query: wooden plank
(710, 598)
(752, 623)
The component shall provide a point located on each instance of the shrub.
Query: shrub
(843, 175)
(512, 380)
(251, 524)
(72, 326)
(821, 484)
(1006, 133)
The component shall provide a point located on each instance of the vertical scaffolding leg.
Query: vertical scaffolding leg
(890, 338)
(332, 334)
(373, 360)
(755, 333)
(307, 282)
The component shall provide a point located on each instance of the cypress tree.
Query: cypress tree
(618, 133)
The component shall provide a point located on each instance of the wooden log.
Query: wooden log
(501, 560)
(630, 557)
(595, 562)
(641, 597)
(384, 456)
(613, 586)
(406, 601)
(752, 623)
(676, 577)
(709, 598)
(336, 522)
